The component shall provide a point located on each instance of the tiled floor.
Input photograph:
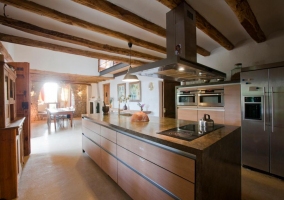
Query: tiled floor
(58, 170)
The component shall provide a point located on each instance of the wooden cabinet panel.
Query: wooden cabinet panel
(216, 115)
(136, 186)
(108, 133)
(108, 146)
(178, 164)
(92, 149)
(109, 164)
(187, 113)
(232, 99)
(92, 135)
(91, 126)
(173, 183)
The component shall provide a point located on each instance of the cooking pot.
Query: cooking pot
(206, 121)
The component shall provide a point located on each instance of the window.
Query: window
(50, 92)
(104, 64)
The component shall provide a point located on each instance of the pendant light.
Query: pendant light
(130, 77)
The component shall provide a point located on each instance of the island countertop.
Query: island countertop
(148, 131)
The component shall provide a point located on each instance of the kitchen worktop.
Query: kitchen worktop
(148, 130)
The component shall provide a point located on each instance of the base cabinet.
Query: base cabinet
(11, 158)
(142, 170)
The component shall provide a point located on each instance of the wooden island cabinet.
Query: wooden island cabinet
(147, 165)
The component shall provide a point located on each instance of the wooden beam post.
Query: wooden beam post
(55, 47)
(36, 30)
(247, 19)
(67, 19)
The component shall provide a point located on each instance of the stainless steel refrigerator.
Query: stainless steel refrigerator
(263, 119)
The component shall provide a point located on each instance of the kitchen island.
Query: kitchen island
(148, 165)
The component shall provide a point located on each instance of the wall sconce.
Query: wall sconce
(33, 91)
(79, 93)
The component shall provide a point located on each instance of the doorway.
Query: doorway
(106, 92)
(169, 98)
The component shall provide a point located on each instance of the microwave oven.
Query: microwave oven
(186, 98)
(212, 98)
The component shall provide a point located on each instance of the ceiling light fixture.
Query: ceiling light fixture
(130, 77)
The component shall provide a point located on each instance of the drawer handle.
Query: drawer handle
(142, 159)
(141, 148)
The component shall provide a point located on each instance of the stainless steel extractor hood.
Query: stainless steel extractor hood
(180, 64)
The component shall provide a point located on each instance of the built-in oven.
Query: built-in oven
(253, 109)
(212, 98)
(186, 97)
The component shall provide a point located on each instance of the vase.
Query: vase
(141, 109)
(124, 107)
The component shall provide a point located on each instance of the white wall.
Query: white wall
(54, 61)
(248, 53)
(149, 97)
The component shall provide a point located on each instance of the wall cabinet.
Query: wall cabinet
(230, 114)
(7, 91)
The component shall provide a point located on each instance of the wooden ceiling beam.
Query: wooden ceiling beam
(67, 19)
(127, 16)
(203, 25)
(36, 30)
(55, 47)
(243, 11)
(46, 76)
(5, 53)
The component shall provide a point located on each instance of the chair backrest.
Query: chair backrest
(52, 105)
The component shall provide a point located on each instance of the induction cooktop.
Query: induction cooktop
(190, 132)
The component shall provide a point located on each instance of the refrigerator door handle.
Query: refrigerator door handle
(264, 107)
(272, 109)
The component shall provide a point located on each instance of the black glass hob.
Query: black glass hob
(190, 131)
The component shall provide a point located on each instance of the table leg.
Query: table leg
(71, 118)
(55, 122)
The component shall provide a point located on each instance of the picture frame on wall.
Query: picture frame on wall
(121, 90)
(135, 91)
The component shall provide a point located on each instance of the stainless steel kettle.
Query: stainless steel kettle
(206, 121)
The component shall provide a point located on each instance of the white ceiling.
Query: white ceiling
(269, 14)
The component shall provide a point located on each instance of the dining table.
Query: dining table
(57, 113)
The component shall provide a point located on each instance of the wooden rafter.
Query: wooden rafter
(55, 47)
(127, 16)
(6, 54)
(67, 19)
(203, 24)
(36, 30)
(246, 17)
(46, 76)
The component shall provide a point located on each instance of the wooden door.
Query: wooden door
(23, 99)
(106, 98)
(169, 98)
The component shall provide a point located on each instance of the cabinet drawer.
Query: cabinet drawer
(93, 150)
(90, 125)
(108, 133)
(173, 183)
(109, 164)
(187, 114)
(108, 146)
(136, 186)
(180, 165)
(92, 135)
